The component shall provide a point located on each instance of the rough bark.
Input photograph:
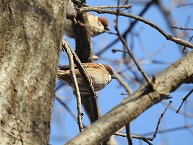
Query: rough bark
(30, 38)
(146, 96)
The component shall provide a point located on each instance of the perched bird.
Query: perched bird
(101, 75)
(97, 25)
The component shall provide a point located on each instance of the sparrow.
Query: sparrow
(101, 75)
(96, 24)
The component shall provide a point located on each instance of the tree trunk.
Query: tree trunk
(30, 38)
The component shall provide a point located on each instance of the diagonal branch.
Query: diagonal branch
(128, 29)
(130, 108)
(92, 96)
(167, 36)
(66, 47)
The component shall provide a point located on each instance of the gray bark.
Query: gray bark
(30, 38)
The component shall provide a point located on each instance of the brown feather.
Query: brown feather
(99, 73)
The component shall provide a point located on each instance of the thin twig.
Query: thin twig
(119, 50)
(130, 53)
(170, 130)
(185, 114)
(84, 52)
(185, 46)
(183, 5)
(66, 47)
(88, 81)
(126, 6)
(167, 36)
(159, 121)
(145, 139)
(79, 2)
(129, 29)
(180, 28)
(184, 99)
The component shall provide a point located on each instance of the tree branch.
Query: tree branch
(167, 36)
(130, 108)
(66, 47)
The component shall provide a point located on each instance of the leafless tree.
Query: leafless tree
(31, 37)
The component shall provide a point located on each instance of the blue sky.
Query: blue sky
(144, 39)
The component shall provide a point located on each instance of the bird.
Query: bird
(100, 74)
(96, 24)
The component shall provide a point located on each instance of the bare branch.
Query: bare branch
(182, 28)
(66, 47)
(184, 99)
(129, 29)
(139, 101)
(171, 129)
(159, 121)
(185, 114)
(167, 36)
(145, 139)
(130, 53)
(93, 96)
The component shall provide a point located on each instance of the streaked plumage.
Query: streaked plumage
(100, 74)
(97, 25)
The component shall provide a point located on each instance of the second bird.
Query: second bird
(96, 24)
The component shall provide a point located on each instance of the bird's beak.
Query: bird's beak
(113, 77)
(107, 29)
